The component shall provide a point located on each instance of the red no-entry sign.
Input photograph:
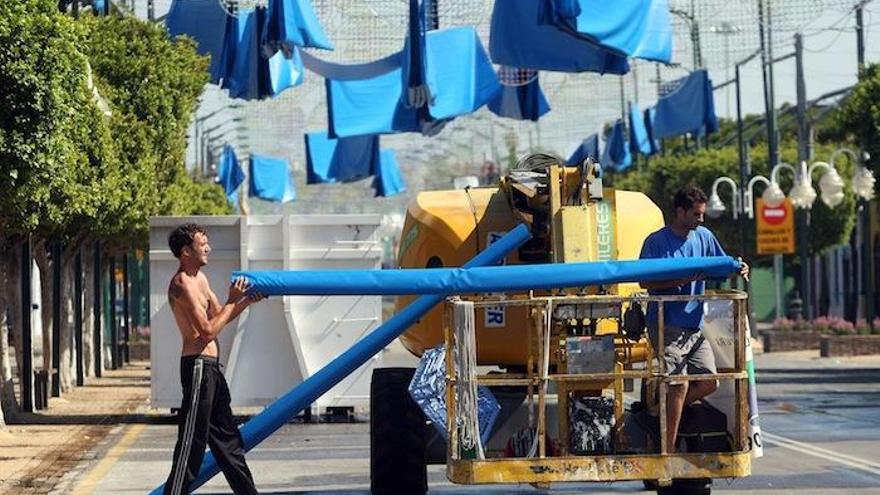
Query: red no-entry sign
(775, 228)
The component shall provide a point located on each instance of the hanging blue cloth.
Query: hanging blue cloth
(205, 22)
(687, 109)
(388, 180)
(414, 65)
(369, 106)
(636, 28)
(290, 24)
(351, 72)
(519, 38)
(270, 179)
(523, 102)
(285, 72)
(340, 160)
(650, 115)
(241, 56)
(616, 155)
(565, 9)
(230, 175)
(639, 141)
(589, 148)
(100, 7)
(460, 76)
(244, 70)
(371, 98)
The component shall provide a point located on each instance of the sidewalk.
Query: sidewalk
(49, 451)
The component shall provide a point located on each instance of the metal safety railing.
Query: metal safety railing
(542, 341)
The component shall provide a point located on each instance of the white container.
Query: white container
(274, 345)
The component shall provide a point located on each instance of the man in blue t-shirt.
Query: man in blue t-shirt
(685, 351)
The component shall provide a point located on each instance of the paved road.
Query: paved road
(821, 418)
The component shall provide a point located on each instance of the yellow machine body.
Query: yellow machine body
(447, 228)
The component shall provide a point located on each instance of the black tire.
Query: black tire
(702, 486)
(397, 436)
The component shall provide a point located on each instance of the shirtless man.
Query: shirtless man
(205, 417)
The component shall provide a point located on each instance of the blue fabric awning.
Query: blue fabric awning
(230, 175)
(690, 108)
(340, 160)
(520, 38)
(636, 28)
(616, 155)
(523, 102)
(202, 20)
(270, 179)
(588, 148)
(484, 279)
(388, 180)
(291, 24)
(639, 141)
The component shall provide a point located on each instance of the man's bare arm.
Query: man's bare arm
(209, 327)
(213, 302)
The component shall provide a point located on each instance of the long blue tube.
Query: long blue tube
(285, 408)
(484, 279)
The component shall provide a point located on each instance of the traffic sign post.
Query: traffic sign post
(775, 228)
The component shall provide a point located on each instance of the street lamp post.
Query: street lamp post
(802, 196)
(863, 186)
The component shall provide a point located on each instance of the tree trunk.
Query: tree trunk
(10, 292)
(69, 356)
(7, 392)
(88, 314)
(67, 373)
(41, 256)
(14, 302)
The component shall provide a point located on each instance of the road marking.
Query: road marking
(816, 451)
(91, 480)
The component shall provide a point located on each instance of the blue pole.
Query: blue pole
(285, 408)
(511, 278)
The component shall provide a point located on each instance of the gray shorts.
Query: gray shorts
(687, 351)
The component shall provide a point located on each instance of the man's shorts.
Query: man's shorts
(687, 352)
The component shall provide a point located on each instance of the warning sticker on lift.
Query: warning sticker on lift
(495, 316)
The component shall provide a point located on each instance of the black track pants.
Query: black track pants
(205, 418)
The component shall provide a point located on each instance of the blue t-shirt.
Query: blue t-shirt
(666, 244)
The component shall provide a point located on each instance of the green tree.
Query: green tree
(55, 151)
(153, 85)
(858, 119)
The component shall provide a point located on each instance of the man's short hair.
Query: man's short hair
(183, 236)
(689, 196)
